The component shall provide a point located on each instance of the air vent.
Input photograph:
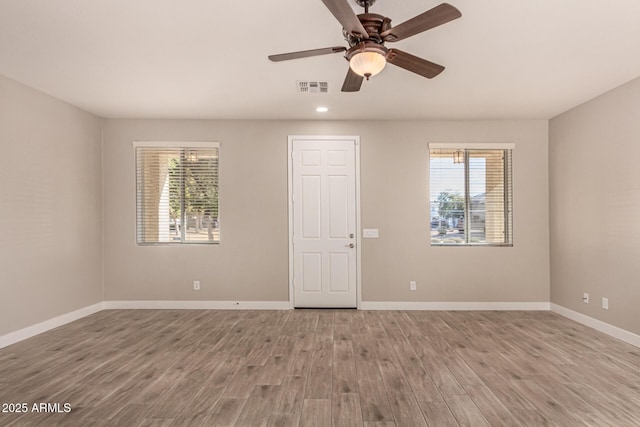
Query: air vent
(312, 87)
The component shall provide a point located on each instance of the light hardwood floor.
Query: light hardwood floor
(323, 368)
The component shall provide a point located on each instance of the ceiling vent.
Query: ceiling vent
(312, 87)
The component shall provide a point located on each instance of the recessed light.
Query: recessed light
(322, 109)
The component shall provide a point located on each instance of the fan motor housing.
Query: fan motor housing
(374, 24)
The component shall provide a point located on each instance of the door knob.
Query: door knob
(351, 235)
(350, 245)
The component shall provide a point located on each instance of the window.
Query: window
(470, 195)
(177, 193)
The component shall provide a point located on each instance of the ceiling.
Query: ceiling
(505, 59)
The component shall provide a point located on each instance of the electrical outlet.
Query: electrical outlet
(196, 285)
(605, 303)
(412, 285)
(585, 298)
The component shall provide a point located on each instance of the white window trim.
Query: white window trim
(176, 144)
(472, 145)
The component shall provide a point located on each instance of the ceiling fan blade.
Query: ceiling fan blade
(414, 64)
(439, 15)
(306, 53)
(347, 17)
(352, 82)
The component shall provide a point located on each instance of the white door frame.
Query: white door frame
(356, 142)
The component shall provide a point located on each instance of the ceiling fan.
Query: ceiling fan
(366, 35)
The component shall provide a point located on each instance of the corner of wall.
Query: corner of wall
(102, 248)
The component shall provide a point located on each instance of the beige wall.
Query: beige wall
(50, 207)
(595, 207)
(251, 263)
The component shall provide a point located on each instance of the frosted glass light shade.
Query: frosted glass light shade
(367, 64)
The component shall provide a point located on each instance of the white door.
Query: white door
(324, 226)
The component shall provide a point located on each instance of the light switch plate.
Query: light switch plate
(370, 233)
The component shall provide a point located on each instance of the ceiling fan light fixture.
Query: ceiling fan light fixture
(366, 35)
(367, 64)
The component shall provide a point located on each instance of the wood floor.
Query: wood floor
(323, 368)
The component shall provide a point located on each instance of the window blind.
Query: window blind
(177, 194)
(471, 196)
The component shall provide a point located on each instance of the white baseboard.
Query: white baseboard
(599, 325)
(455, 306)
(197, 305)
(38, 328)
